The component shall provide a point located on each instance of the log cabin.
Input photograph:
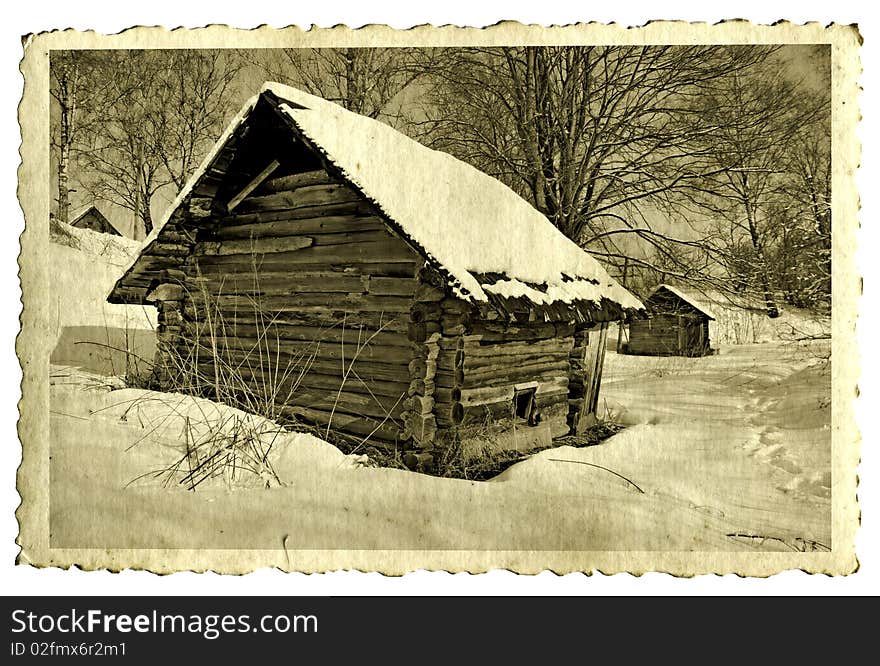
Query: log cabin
(676, 325)
(93, 219)
(379, 288)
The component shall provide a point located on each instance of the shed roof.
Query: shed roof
(684, 295)
(490, 241)
(82, 212)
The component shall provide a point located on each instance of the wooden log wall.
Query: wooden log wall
(661, 335)
(303, 293)
(492, 358)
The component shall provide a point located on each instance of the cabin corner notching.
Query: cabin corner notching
(299, 270)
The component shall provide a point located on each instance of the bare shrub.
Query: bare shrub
(235, 449)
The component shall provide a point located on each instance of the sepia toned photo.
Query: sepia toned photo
(573, 299)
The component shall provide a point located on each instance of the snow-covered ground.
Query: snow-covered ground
(88, 330)
(740, 446)
(736, 443)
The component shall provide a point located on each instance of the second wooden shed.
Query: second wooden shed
(93, 219)
(677, 325)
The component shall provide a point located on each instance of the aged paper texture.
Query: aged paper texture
(739, 457)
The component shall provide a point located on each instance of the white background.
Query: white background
(21, 18)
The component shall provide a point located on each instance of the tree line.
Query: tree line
(705, 165)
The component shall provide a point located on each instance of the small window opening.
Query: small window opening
(524, 406)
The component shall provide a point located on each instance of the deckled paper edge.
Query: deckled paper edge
(34, 344)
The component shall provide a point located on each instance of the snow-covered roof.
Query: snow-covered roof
(489, 240)
(81, 213)
(684, 295)
(469, 222)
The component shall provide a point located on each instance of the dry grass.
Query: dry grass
(258, 380)
(234, 449)
(458, 461)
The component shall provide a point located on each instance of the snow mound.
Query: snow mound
(171, 421)
(79, 302)
(112, 250)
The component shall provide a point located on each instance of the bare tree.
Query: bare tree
(751, 122)
(363, 80)
(165, 110)
(74, 90)
(598, 138)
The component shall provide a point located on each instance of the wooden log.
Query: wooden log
(303, 302)
(173, 275)
(276, 283)
(169, 249)
(518, 373)
(291, 243)
(422, 312)
(361, 269)
(199, 208)
(558, 346)
(450, 343)
(308, 195)
(253, 247)
(154, 263)
(449, 413)
(486, 395)
(253, 184)
(448, 395)
(387, 251)
(548, 399)
(301, 280)
(452, 329)
(419, 405)
(331, 224)
(419, 333)
(423, 429)
(495, 378)
(324, 318)
(390, 286)
(455, 306)
(267, 348)
(417, 367)
(360, 369)
(426, 293)
(366, 427)
(500, 365)
(450, 359)
(295, 180)
(431, 276)
(449, 378)
(351, 403)
(166, 292)
(489, 332)
(351, 208)
(301, 378)
(350, 337)
(352, 384)
(175, 236)
(484, 412)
